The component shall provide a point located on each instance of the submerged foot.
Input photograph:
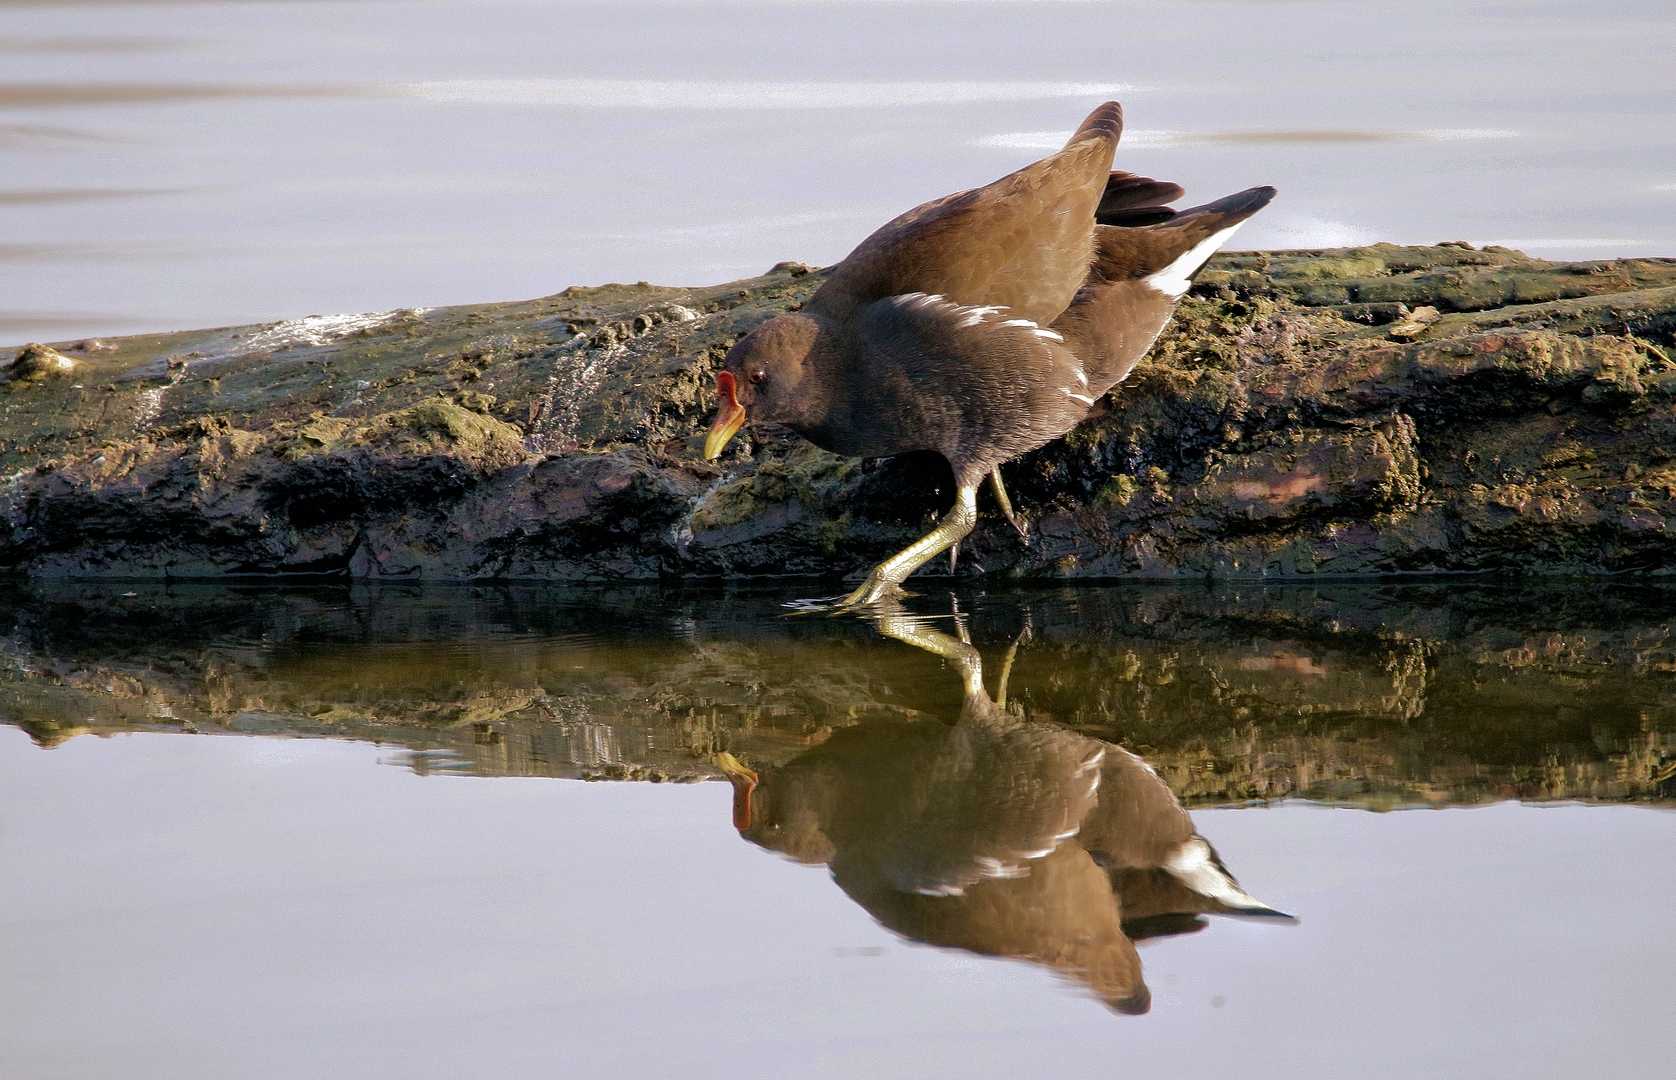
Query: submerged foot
(876, 590)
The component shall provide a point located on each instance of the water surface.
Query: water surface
(217, 886)
(211, 163)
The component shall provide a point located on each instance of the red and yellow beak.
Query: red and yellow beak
(744, 781)
(729, 418)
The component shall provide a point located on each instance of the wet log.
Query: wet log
(1357, 412)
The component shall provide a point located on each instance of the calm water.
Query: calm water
(924, 880)
(205, 163)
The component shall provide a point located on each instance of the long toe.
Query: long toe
(875, 590)
(816, 606)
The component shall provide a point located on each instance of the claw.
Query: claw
(817, 606)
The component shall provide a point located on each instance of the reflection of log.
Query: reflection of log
(1356, 411)
(1412, 694)
(995, 835)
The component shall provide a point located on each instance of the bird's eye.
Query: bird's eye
(759, 376)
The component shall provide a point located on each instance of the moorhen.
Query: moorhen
(981, 325)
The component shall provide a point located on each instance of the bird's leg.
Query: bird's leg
(1006, 503)
(1000, 490)
(887, 578)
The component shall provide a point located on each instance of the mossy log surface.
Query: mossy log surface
(1363, 411)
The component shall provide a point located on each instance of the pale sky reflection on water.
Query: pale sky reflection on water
(185, 907)
(192, 164)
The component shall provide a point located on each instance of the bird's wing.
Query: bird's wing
(1170, 253)
(973, 382)
(1023, 242)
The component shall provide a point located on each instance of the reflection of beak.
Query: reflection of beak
(729, 418)
(744, 782)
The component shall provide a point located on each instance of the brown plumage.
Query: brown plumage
(980, 325)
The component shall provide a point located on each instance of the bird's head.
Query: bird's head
(776, 815)
(766, 377)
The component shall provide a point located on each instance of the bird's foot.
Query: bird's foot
(875, 591)
(819, 605)
(885, 582)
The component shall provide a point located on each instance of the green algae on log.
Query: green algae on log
(1359, 411)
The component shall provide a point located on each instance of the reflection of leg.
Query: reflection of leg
(959, 620)
(1007, 664)
(887, 578)
(898, 624)
(1006, 503)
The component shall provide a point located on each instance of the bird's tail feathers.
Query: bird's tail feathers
(1168, 254)
(1131, 201)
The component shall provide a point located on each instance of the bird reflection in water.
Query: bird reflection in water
(998, 835)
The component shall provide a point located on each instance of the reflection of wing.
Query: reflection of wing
(1023, 241)
(1061, 914)
(1144, 837)
(1138, 820)
(992, 801)
(927, 808)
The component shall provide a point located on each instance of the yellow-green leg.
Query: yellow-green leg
(887, 578)
(1000, 490)
(1006, 503)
